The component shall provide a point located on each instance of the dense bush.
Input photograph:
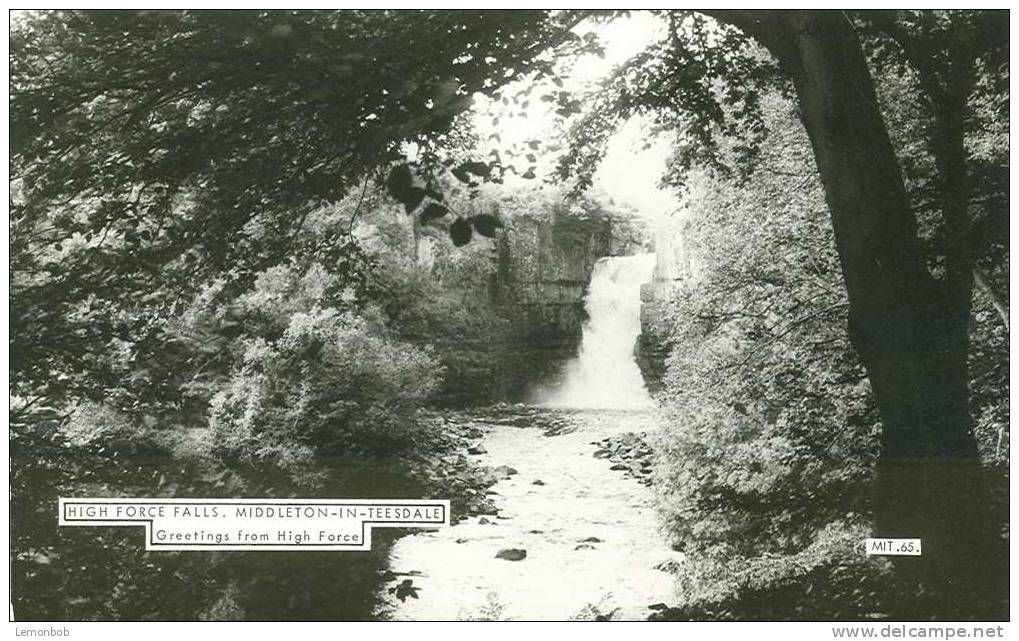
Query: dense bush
(297, 387)
(314, 379)
(771, 430)
(280, 381)
(446, 304)
(327, 385)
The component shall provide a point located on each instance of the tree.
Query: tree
(771, 437)
(909, 329)
(957, 57)
(169, 130)
(156, 150)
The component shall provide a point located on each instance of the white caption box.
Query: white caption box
(893, 547)
(255, 524)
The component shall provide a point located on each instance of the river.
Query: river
(573, 538)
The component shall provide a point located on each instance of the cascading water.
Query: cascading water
(604, 375)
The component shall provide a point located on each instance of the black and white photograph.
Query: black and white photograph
(466, 314)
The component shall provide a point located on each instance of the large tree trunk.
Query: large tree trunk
(910, 332)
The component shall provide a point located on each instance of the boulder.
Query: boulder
(511, 554)
(503, 472)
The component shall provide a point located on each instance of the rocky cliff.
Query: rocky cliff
(673, 268)
(545, 264)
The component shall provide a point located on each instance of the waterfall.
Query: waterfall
(604, 375)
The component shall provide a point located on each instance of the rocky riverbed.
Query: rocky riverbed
(629, 453)
(545, 528)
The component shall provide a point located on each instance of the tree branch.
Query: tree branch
(996, 299)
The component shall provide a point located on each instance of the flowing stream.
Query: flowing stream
(584, 538)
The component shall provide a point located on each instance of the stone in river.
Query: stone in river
(592, 539)
(584, 546)
(511, 554)
(503, 472)
(477, 449)
(619, 466)
(538, 482)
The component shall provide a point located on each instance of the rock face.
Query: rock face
(545, 263)
(674, 268)
(654, 343)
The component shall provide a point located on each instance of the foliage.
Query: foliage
(468, 333)
(927, 62)
(105, 574)
(328, 386)
(229, 98)
(989, 398)
(702, 83)
(772, 430)
(285, 382)
(156, 150)
(400, 185)
(828, 581)
(198, 309)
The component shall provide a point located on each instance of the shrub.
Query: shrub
(318, 381)
(772, 431)
(446, 304)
